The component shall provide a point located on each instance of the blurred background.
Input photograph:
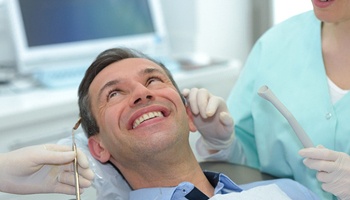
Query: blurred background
(225, 28)
(203, 42)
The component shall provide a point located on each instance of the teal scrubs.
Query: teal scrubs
(288, 59)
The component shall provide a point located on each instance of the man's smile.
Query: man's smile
(145, 117)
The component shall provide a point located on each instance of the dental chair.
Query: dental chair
(109, 184)
(240, 174)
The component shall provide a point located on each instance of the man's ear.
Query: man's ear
(193, 127)
(98, 150)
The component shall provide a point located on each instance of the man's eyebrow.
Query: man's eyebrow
(107, 85)
(151, 70)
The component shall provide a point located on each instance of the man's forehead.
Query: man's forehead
(124, 69)
(137, 65)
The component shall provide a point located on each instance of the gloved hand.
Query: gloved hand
(333, 169)
(43, 169)
(211, 118)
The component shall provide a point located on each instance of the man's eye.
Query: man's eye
(112, 94)
(154, 79)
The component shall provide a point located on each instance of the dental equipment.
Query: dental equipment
(75, 162)
(267, 94)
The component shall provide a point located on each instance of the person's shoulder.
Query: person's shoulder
(292, 188)
(299, 18)
(292, 26)
(287, 181)
(298, 21)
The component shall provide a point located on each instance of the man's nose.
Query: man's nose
(141, 94)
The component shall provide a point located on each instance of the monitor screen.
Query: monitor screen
(59, 33)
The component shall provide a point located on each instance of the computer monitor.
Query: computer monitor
(70, 33)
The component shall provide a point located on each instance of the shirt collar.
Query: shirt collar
(220, 182)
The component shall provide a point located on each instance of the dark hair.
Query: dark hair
(104, 59)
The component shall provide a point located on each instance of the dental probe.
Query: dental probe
(267, 94)
(75, 162)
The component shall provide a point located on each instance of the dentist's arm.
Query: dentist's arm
(211, 118)
(42, 169)
(333, 169)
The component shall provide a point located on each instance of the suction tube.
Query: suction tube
(267, 94)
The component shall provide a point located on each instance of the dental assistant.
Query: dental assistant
(306, 62)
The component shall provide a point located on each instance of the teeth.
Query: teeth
(145, 117)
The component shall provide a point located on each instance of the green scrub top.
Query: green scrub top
(288, 59)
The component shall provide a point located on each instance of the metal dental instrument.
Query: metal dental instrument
(267, 94)
(75, 162)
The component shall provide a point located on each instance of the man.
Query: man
(136, 119)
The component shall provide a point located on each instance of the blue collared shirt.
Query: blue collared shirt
(222, 183)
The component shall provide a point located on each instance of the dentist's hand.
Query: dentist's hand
(43, 169)
(211, 118)
(333, 169)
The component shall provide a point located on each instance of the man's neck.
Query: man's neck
(171, 174)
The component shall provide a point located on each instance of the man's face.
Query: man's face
(138, 110)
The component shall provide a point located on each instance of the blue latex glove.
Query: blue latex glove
(211, 118)
(333, 169)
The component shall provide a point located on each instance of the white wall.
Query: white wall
(229, 28)
(224, 28)
(180, 23)
(217, 28)
(285, 9)
(6, 50)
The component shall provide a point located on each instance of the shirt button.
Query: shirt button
(328, 116)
